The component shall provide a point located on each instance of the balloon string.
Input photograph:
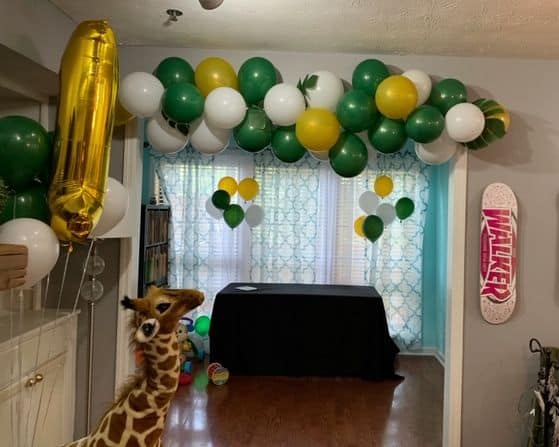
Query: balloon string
(12, 372)
(84, 270)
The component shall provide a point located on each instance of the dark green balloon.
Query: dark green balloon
(425, 124)
(387, 135)
(255, 132)
(286, 146)
(349, 155)
(45, 174)
(233, 215)
(256, 76)
(368, 75)
(404, 208)
(221, 199)
(183, 102)
(30, 202)
(356, 111)
(173, 70)
(24, 150)
(373, 227)
(446, 94)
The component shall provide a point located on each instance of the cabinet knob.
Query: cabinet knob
(39, 378)
(32, 381)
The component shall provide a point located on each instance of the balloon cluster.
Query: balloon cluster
(379, 215)
(315, 116)
(219, 205)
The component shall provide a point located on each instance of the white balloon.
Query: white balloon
(224, 108)
(386, 212)
(214, 212)
(283, 104)
(368, 202)
(140, 93)
(254, 215)
(327, 91)
(41, 242)
(114, 207)
(464, 122)
(320, 156)
(422, 83)
(438, 152)
(163, 137)
(206, 139)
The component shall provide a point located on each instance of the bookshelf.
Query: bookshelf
(154, 247)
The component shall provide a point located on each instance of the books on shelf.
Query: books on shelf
(155, 265)
(157, 226)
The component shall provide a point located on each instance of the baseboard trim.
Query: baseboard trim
(427, 351)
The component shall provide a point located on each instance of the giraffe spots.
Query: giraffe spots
(169, 363)
(117, 427)
(139, 402)
(153, 438)
(165, 340)
(163, 399)
(168, 381)
(162, 350)
(144, 423)
(132, 442)
(175, 346)
(101, 443)
(104, 424)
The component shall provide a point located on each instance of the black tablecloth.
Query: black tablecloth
(302, 330)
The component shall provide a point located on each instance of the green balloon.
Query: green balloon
(45, 174)
(446, 94)
(356, 111)
(233, 215)
(368, 75)
(387, 135)
(24, 150)
(286, 146)
(373, 227)
(404, 208)
(173, 70)
(31, 202)
(221, 199)
(349, 155)
(202, 325)
(425, 124)
(255, 132)
(256, 76)
(183, 102)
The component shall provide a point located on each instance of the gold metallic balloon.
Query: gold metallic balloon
(84, 125)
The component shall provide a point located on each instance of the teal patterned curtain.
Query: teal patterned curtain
(307, 235)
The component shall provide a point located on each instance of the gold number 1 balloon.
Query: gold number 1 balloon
(84, 125)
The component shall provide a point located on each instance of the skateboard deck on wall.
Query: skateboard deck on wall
(499, 211)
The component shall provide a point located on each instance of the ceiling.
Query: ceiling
(501, 28)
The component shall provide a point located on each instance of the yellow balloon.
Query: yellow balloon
(215, 72)
(228, 184)
(248, 188)
(396, 97)
(88, 90)
(358, 226)
(317, 129)
(122, 116)
(383, 186)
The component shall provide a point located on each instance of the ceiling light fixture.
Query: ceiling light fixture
(210, 4)
(174, 14)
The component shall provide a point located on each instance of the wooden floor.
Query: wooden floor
(313, 412)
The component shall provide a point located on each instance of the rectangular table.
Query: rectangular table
(302, 330)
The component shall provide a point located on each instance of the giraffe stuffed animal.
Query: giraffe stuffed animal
(137, 417)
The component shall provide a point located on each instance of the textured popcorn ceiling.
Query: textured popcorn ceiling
(503, 28)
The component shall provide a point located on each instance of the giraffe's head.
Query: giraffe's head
(160, 310)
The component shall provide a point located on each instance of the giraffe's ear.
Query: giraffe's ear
(192, 298)
(127, 303)
(138, 305)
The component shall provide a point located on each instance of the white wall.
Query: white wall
(497, 364)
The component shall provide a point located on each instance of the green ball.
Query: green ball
(425, 124)
(368, 75)
(286, 146)
(349, 155)
(174, 70)
(183, 102)
(404, 208)
(24, 150)
(30, 202)
(388, 136)
(202, 325)
(233, 215)
(356, 111)
(373, 227)
(255, 132)
(221, 199)
(256, 76)
(446, 94)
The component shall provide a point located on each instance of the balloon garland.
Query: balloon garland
(315, 116)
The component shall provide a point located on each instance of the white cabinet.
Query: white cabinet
(37, 380)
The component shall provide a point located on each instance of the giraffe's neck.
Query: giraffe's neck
(162, 364)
